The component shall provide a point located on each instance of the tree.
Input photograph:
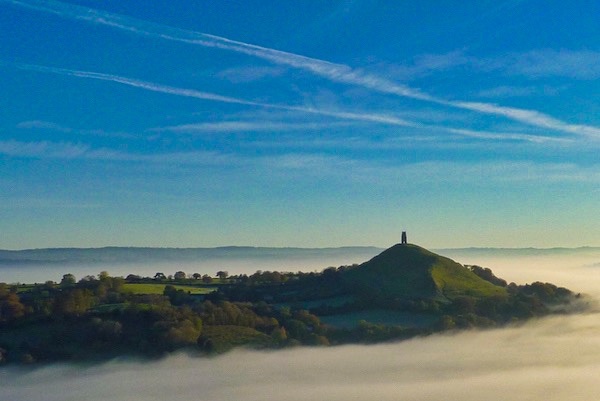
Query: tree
(222, 274)
(180, 275)
(133, 278)
(207, 279)
(11, 307)
(74, 302)
(279, 335)
(68, 280)
(160, 276)
(183, 333)
(197, 276)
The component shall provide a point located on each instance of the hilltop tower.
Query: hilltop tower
(404, 242)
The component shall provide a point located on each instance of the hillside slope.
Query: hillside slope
(412, 272)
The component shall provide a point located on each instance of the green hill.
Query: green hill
(412, 272)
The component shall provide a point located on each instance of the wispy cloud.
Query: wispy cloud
(531, 117)
(46, 149)
(321, 164)
(566, 63)
(506, 136)
(497, 171)
(48, 125)
(577, 64)
(508, 91)
(67, 150)
(249, 73)
(425, 64)
(139, 84)
(151, 86)
(245, 126)
(518, 114)
(334, 72)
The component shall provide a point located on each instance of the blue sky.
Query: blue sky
(299, 123)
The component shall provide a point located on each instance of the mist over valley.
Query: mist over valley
(552, 358)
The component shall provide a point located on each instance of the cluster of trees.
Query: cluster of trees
(96, 317)
(179, 276)
(11, 307)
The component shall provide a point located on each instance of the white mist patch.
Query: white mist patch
(551, 359)
(579, 273)
(235, 262)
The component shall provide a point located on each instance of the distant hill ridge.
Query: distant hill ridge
(116, 254)
(144, 254)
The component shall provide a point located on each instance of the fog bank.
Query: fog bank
(31, 266)
(551, 359)
(579, 271)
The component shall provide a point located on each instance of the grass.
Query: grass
(401, 271)
(455, 280)
(154, 288)
(223, 338)
(410, 271)
(24, 287)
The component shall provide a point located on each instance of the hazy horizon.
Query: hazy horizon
(532, 264)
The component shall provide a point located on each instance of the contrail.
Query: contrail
(367, 117)
(334, 72)
(376, 118)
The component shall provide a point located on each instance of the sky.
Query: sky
(299, 123)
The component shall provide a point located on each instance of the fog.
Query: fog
(42, 273)
(579, 271)
(147, 262)
(556, 358)
(550, 359)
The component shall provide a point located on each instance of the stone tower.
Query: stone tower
(404, 242)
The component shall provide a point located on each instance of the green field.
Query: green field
(223, 338)
(152, 288)
(380, 316)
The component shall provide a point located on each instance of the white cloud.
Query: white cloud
(530, 117)
(246, 126)
(66, 150)
(249, 73)
(48, 125)
(38, 124)
(504, 136)
(43, 149)
(322, 164)
(578, 64)
(508, 91)
(331, 71)
(425, 64)
(151, 86)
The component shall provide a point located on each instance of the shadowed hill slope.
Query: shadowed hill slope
(412, 272)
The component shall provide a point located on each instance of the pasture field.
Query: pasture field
(157, 288)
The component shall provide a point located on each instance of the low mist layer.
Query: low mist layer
(30, 266)
(556, 358)
(552, 359)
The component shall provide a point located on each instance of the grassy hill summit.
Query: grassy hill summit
(410, 271)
